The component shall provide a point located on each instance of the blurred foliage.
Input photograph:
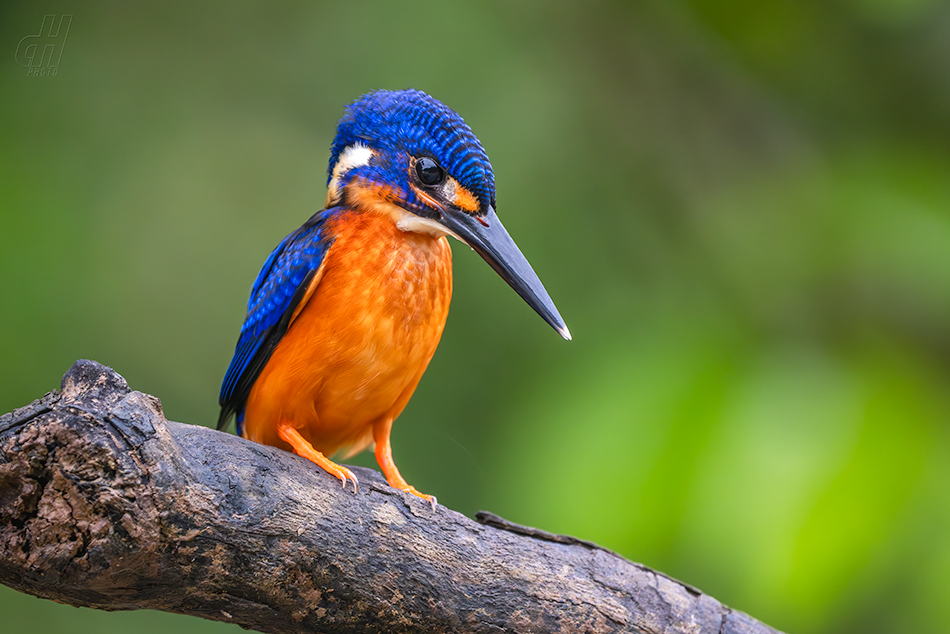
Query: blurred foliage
(741, 208)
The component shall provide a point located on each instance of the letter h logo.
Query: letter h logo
(45, 60)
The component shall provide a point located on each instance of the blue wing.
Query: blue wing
(278, 289)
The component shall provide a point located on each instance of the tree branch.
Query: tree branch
(105, 504)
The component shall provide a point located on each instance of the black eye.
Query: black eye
(429, 172)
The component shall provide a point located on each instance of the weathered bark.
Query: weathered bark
(105, 504)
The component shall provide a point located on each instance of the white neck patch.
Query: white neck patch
(352, 156)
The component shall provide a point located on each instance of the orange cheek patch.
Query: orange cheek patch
(363, 193)
(464, 199)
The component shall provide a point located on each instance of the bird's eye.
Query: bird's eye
(429, 171)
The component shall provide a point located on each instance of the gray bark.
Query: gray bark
(105, 504)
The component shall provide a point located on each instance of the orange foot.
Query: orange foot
(303, 448)
(411, 489)
(384, 457)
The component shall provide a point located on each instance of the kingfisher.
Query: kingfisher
(348, 310)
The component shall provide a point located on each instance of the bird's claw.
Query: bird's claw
(349, 474)
(425, 496)
(344, 474)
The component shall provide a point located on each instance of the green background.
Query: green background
(742, 210)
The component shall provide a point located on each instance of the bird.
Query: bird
(347, 311)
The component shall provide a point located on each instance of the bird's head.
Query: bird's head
(413, 158)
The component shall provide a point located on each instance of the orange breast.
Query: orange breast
(357, 349)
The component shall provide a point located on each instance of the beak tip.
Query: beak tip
(564, 332)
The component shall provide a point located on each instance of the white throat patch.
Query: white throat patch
(408, 221)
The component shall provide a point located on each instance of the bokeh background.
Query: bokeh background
(741, 208)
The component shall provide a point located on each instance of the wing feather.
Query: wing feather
(285, 280)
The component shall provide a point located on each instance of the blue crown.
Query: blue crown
(412, 122)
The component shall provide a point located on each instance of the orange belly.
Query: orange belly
(356, 351)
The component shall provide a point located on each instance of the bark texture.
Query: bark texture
(105, 504)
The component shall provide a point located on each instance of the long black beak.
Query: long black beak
(488, 237)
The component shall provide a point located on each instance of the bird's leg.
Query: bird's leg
(303, 448)
(384, 457)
